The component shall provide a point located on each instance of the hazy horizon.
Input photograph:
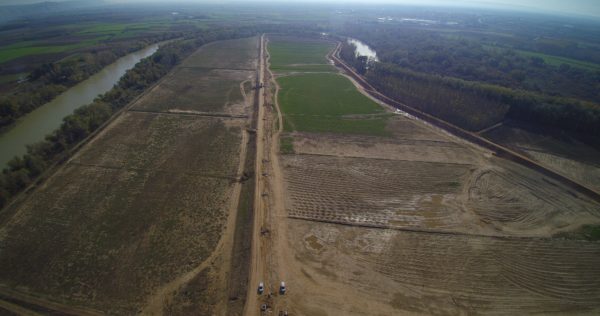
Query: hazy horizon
(574, 7)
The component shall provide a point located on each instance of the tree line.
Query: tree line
(455, 56)
(434, 85)
(51, 79)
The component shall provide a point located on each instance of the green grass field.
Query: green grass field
(302, 55)
(328, 103)
(12, 77)
(323, 95)
(304, 68)
(30, 48)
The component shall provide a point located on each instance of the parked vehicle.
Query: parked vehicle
(261, 288)
(282, 288)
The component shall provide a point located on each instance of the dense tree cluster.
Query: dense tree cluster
(455, 56)
(475, 87)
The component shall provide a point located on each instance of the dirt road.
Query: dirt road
(269, 245)
(257, 273)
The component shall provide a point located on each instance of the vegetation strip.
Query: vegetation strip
(50, 80)
(201, 174)
(221, 115)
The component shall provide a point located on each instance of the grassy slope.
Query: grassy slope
(326, 103)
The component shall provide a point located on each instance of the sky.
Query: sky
(581, 7)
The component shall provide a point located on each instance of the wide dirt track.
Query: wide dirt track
(417, 221)
(142, 219)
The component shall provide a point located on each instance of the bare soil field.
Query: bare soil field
(417, 221)
(414, 142)
(364, 271)
(427, 182)
(142, 219)
(200, 90)
(383, 193)
(450, 231)
(566, 156)
(228, 54)
(105, 238)
(170, 143)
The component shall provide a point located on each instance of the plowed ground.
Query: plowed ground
(564, 155)
(419, 221)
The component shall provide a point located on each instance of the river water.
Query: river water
(363, 49)
(34, 126)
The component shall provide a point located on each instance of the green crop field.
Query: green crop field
(300, 55)
(323, 94)
(328, 103)
(30, 48)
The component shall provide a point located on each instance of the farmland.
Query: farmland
(70, 40)
(405, 218)
(219, 90)
(313, 100)
(297, 55)
(142, 218)
(323, 102)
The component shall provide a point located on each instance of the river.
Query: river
(363, 49)
(34, 126)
